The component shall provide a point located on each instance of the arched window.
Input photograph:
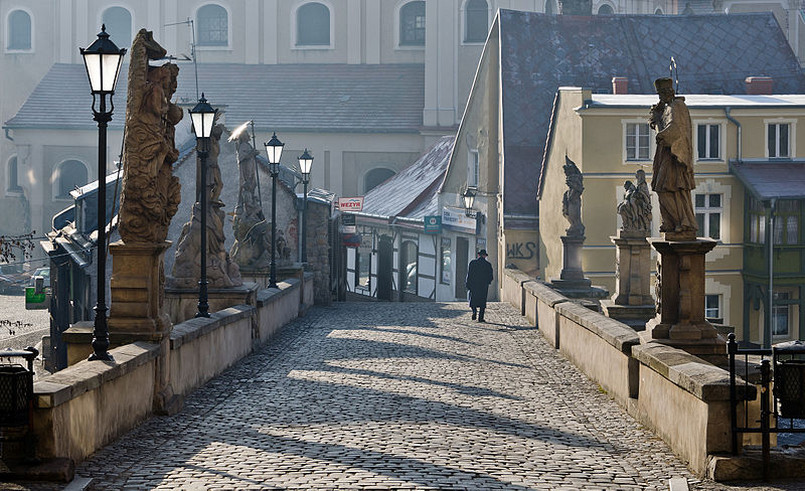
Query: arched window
(412, 24)
(658, 12)
(13, 176)
(71, 174)
(605, 10)
(213, 26)
(375, 177)
(19, 30)
(118, 24)
(476, 21)
(550, 8)
(313, 25)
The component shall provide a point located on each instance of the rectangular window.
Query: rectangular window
(757, 221)
(778, 140)
(712, 309)
(786, 222)
(709, 141)
(363, 268)
(780, 315)
(708, 215)
(637, 141)
(446, 261)
(473, 168)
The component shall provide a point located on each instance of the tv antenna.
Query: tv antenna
(189, 22)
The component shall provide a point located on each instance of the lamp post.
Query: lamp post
(305, 165)
(274, 151)
(203, 118)
(469, 200)
(102, 60)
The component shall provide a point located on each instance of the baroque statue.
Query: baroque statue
(252, 247)
(635, 209)
(571, 200)
(673, 161)
(221, 271)
(150, 193)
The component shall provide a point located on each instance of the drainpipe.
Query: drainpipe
(770, 316)
(8, 135)
(734, 121)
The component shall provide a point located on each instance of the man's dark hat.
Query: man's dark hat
(482, 252)
(664, 83)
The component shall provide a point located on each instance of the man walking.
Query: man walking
(479, 276)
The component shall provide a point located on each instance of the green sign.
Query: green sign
(35, 300)
(433, 224)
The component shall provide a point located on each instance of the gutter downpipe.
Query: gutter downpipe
(734, 121)
(770, 316)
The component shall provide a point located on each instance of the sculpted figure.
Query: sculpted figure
(635, 209)
(252, 247)
(150, 193)
(571, 201)
(221, 271)
(673, 160)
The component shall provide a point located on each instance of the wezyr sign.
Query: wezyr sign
(350, 204)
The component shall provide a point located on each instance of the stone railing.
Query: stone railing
(682, 398)
(89, 404)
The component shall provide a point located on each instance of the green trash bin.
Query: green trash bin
(789, 378)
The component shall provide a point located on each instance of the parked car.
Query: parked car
(10, 285)
(44, 273)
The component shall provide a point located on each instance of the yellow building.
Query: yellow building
(608, 138)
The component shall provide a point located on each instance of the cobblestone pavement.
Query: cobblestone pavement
(395, 396)
(16, 321)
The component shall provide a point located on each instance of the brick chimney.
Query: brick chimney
(759, 85)
(620, 85)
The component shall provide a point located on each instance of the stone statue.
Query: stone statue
(221, 271)
(571, 200)
(673, 162)
(635, 209)
(150, 193)
(252, 247)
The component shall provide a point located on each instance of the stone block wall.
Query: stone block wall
(318, 250)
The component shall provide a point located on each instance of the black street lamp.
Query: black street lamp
(469, 200)
(203, 118)
(102, 60)
(305, 165)
(274, 151)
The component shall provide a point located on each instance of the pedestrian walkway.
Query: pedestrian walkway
(394, 396)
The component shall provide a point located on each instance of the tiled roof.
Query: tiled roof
(772, 180)
(539, 53)
(412, 192)
(306, 97)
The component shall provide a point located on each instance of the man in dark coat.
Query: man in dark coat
(479, 276)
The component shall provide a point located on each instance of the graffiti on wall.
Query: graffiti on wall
(521, 250)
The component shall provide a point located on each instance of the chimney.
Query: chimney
(620, 85)
(759, 85)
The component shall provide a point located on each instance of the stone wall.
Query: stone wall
(318, 250)
(80, 409)
(682, 398)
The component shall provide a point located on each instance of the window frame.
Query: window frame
(398, 27)
(8, 47)
(465, 22)
(719, 318)
(131, 27)
(651, 143)
(473, 167)
(792, 140)
(607, 4)
(403, 266)
(370, 171)
(784, 308)
(214, 47)
(18, 189)
(295, 27)
(710, 123)
(445, 260)
(706, 210)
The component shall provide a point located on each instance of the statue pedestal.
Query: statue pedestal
(138, 280)
(680, 318)
(571, 282)
(137, 312)
(632, 302)
(182, 303)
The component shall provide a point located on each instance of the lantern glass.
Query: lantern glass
(103, 60)
(203, 117)
(274, 149)
(469, 199)
(305, 162)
